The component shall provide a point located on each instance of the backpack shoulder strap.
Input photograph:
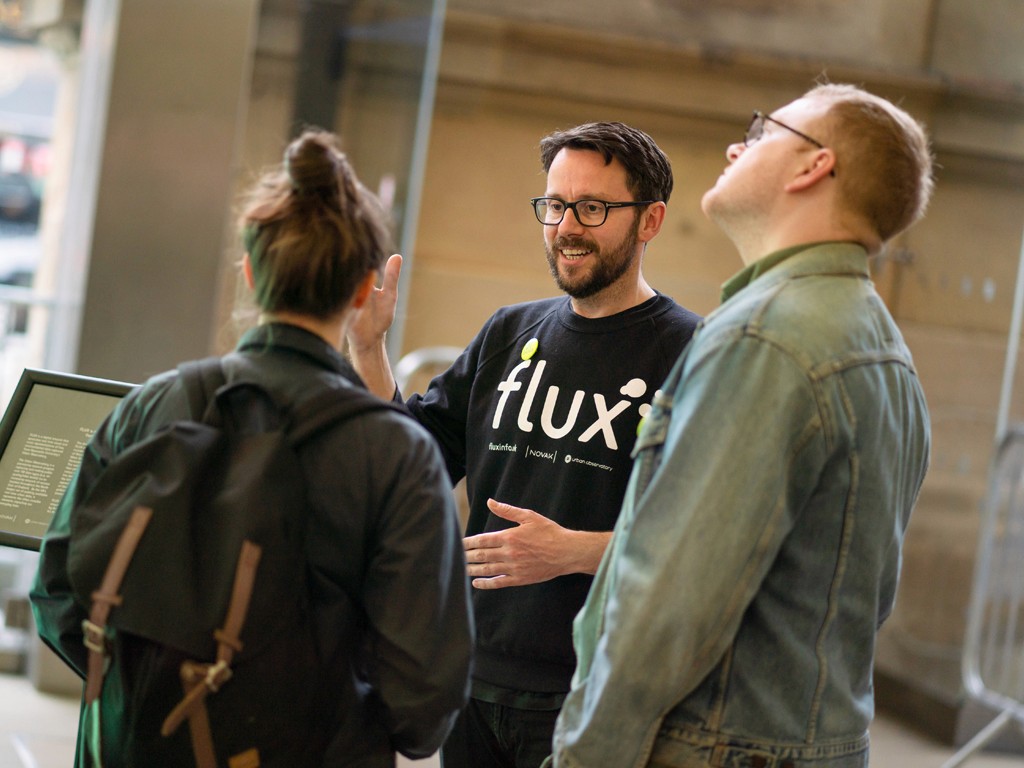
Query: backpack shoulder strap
(202, 379)
(336, 406)
(106, 597)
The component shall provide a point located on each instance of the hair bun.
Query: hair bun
(311, 164)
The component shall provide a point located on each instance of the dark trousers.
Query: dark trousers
(496, 736)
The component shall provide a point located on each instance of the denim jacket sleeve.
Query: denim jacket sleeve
(720, 473)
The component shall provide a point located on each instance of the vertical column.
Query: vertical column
(156, 204)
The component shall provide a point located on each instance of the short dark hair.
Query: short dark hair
(312, 230)
(648, 170)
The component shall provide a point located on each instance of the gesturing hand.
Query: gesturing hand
(368, 329)
(377, 314)
(534, 550)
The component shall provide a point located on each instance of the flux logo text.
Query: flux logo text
(606, 413)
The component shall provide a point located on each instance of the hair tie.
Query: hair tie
(250, 239)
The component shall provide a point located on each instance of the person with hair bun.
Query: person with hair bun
(385, 563)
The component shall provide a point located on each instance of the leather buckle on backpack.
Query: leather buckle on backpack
(216, 675)
(94, 637)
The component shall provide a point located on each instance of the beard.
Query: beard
(606, 269)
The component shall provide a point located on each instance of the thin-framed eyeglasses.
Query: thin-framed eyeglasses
(756, 130)
(590, 213)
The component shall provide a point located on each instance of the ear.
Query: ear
(247, 271)
(363, 291)
(650, 222)
(821, 165)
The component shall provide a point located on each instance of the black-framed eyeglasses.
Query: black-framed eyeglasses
(590, 213)
(756, 130)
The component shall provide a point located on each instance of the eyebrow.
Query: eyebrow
(605, 197)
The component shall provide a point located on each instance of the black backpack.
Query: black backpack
(189, 553)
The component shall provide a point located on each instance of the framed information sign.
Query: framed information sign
(48, 422)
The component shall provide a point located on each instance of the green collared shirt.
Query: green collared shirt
(751, 272)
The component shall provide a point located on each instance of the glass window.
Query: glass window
(29, 79)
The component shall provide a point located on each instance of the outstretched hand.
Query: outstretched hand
(536, 549)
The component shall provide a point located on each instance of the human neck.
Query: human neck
(613, 299)
(331, 330)
(756, 245)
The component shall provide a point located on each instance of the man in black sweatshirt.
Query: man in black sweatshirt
(540, 413)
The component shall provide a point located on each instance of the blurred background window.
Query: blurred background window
(29, 79)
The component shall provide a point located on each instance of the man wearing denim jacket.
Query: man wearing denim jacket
(733, 619)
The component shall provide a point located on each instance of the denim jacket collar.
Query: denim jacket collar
(780, 265)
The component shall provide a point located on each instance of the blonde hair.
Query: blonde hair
(883, 158)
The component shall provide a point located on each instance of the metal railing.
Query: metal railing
(993, 654)
(423, 360)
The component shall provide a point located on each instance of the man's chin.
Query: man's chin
(707, 203)
(577, 289)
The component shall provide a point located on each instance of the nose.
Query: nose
(734, 151)
(570, 222)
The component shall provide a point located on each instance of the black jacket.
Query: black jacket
(383, 537)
